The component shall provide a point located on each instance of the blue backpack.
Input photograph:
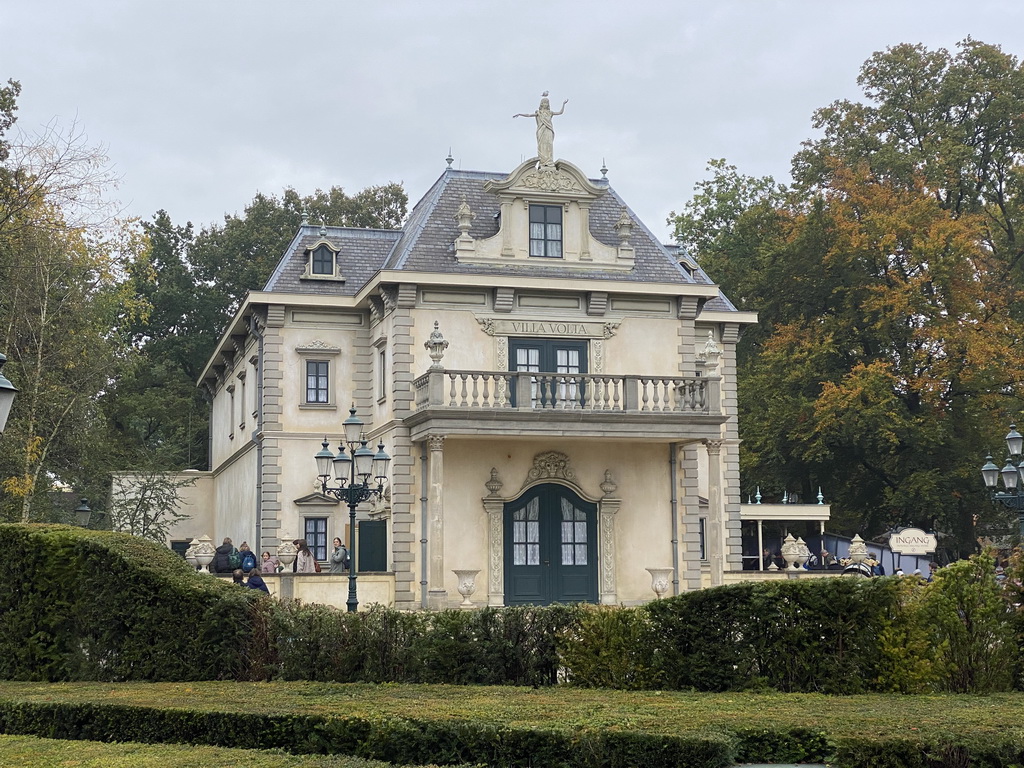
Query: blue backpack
(248, 561)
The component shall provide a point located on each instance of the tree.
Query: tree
(886, 283)
(147, 504)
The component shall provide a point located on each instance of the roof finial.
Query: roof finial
(449, 159)
(604, 169)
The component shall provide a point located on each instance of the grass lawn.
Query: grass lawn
(564, 708)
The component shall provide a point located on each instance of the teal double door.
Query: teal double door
(550, 547)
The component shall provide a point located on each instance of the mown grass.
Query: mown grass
(564, 708)
(31, 752)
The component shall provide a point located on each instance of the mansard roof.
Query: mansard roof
(426, 244)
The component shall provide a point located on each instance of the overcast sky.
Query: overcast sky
(202, 103)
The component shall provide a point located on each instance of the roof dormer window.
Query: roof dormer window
(546, 231)
(322, 262)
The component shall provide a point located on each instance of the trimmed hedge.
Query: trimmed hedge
(93, 605)
(395, 740)
(96, 605)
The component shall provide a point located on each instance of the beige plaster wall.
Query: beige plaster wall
(197, 501)
(235, 499)
(643, 523)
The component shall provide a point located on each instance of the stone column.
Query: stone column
(437, 597)
(715, 512)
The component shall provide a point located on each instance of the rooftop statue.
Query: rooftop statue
(545, 129)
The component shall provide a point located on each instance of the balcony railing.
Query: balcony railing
(527, 391)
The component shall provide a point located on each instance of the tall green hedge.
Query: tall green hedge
(92, 605)
(96, 605)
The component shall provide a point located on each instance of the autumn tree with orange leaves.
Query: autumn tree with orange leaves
(888, 283)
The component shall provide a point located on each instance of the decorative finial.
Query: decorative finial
(821, 499)
(608, 486)
(323, 228)
(449, 159)
(758, 495)
(494, 484)
(604, 169)
(435, 347)
(624, 227)
(305, 216)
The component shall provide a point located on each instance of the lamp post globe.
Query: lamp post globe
(1012, 474)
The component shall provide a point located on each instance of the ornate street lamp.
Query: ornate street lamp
(7, 392)
(1013, 495)
(83, 514)
(361, 475)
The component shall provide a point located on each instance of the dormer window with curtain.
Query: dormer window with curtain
(546, 231)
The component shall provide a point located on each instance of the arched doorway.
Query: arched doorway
(550, 536)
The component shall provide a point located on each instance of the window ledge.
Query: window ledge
(328, 278)
(318, 407)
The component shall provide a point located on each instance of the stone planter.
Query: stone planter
(467, 585)
(661, 580)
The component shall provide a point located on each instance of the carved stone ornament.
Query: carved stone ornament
(494, 485)
(464, 216)
(624, 227)
(551, 464)
(435, 347)
(547, 178)
(318, 345)
(608, 486)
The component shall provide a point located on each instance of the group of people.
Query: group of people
(241, 563)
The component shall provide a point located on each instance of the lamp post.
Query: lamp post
(83, 514)
(7, 392)
(1013, 495)
(353, 472)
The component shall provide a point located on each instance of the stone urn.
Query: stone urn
(803, 553)
(858, 549)
(190, 554)
(205, 552)
(661, 580)
(467, 585)
(286, 553)
(790, 552)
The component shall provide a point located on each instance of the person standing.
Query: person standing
(222, 558)
(256, 581)
(304, 560)
(247, 558)
(339, 557)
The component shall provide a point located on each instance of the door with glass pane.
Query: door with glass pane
(564, 359)
(550, 548)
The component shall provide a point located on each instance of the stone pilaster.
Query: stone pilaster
(715, 535)
(606, 509)
(403, 460)
(687, 463)
(437, 596)
(731, 497)
(494, 507)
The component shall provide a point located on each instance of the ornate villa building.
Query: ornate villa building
(555, 387)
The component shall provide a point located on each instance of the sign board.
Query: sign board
(912, 541)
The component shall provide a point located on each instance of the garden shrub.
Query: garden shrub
(972, 625)
(610, 648)
(97, 605)
(810, 635)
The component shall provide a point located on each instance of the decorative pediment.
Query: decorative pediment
(563, 179)
(315, 499)
(318, 346)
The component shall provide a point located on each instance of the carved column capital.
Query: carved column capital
(435, 443)
(714, 446)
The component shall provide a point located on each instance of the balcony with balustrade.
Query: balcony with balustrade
(530, 404)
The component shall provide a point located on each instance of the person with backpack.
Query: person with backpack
(247, 558)
(339, 557)
(226, 558)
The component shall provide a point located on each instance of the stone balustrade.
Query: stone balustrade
(528, 391)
